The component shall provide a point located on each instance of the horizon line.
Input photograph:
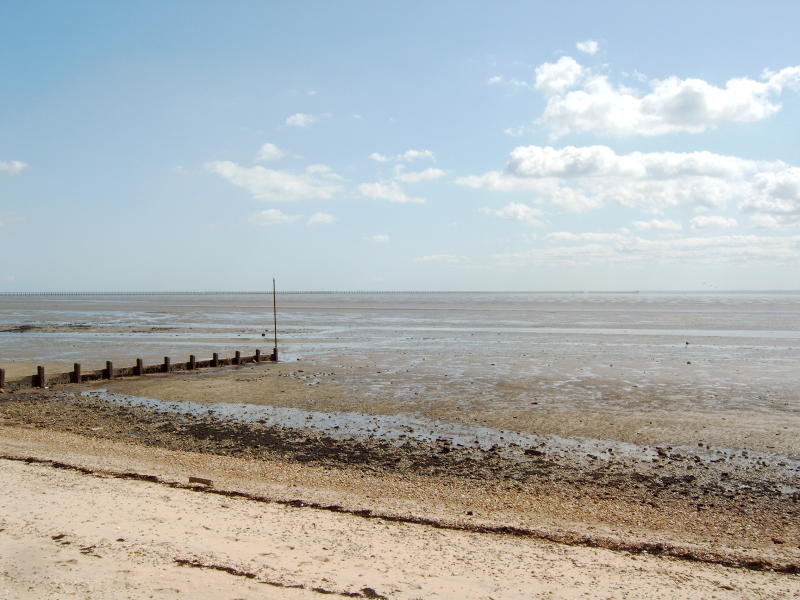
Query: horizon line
(359, 291)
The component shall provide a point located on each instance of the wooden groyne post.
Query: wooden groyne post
(77, 375)
(274, 321)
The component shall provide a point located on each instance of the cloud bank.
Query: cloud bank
(579, 100)
(586, 249)
(578, 179)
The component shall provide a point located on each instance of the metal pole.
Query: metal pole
(275, 320)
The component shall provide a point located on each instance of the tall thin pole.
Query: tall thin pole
(275, 320)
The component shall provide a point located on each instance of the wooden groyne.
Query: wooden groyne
(40, 379)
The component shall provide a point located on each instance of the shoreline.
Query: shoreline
(737, 507)
(300, 530)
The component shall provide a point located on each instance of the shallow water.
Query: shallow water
(737, 348)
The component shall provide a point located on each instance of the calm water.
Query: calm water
(745, 343)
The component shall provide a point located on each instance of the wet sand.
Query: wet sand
(624, 415)
(709, 502)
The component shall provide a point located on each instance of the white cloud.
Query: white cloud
(709, 222)
(579, 100)
(588, 47)
(657, 225)
(13, 167)
(417, 176)
(588, 249)
(407, 156)
(411, 155)
(776, 195)
(272, 216)
(494, 79)
(270, 152)
(568, 236)
(323, 171)
(771, 222)
(555, 78)
(778, 192)
(276, 186)
(448, 259)
(577, 179)
(599, 161)
(518, 212)
(498, 181)
(388, 190)
(380, 238)
(320, 218)
(302, 120)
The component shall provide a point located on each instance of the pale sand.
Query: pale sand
(282, 545)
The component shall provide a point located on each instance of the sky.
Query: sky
(520, 146)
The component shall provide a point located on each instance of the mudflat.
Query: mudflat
(725, 505)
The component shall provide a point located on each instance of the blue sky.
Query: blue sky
(377, 145)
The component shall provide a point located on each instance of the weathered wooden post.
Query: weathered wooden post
(258, 355)
(41, 379)
(76, 373)
(167, 368)
(237, 360)
(2, 378)
(274, 321)
(139, 367)
(215, 359)
(192, 362)
(109, 370)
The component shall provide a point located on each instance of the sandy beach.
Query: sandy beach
(116, 519)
